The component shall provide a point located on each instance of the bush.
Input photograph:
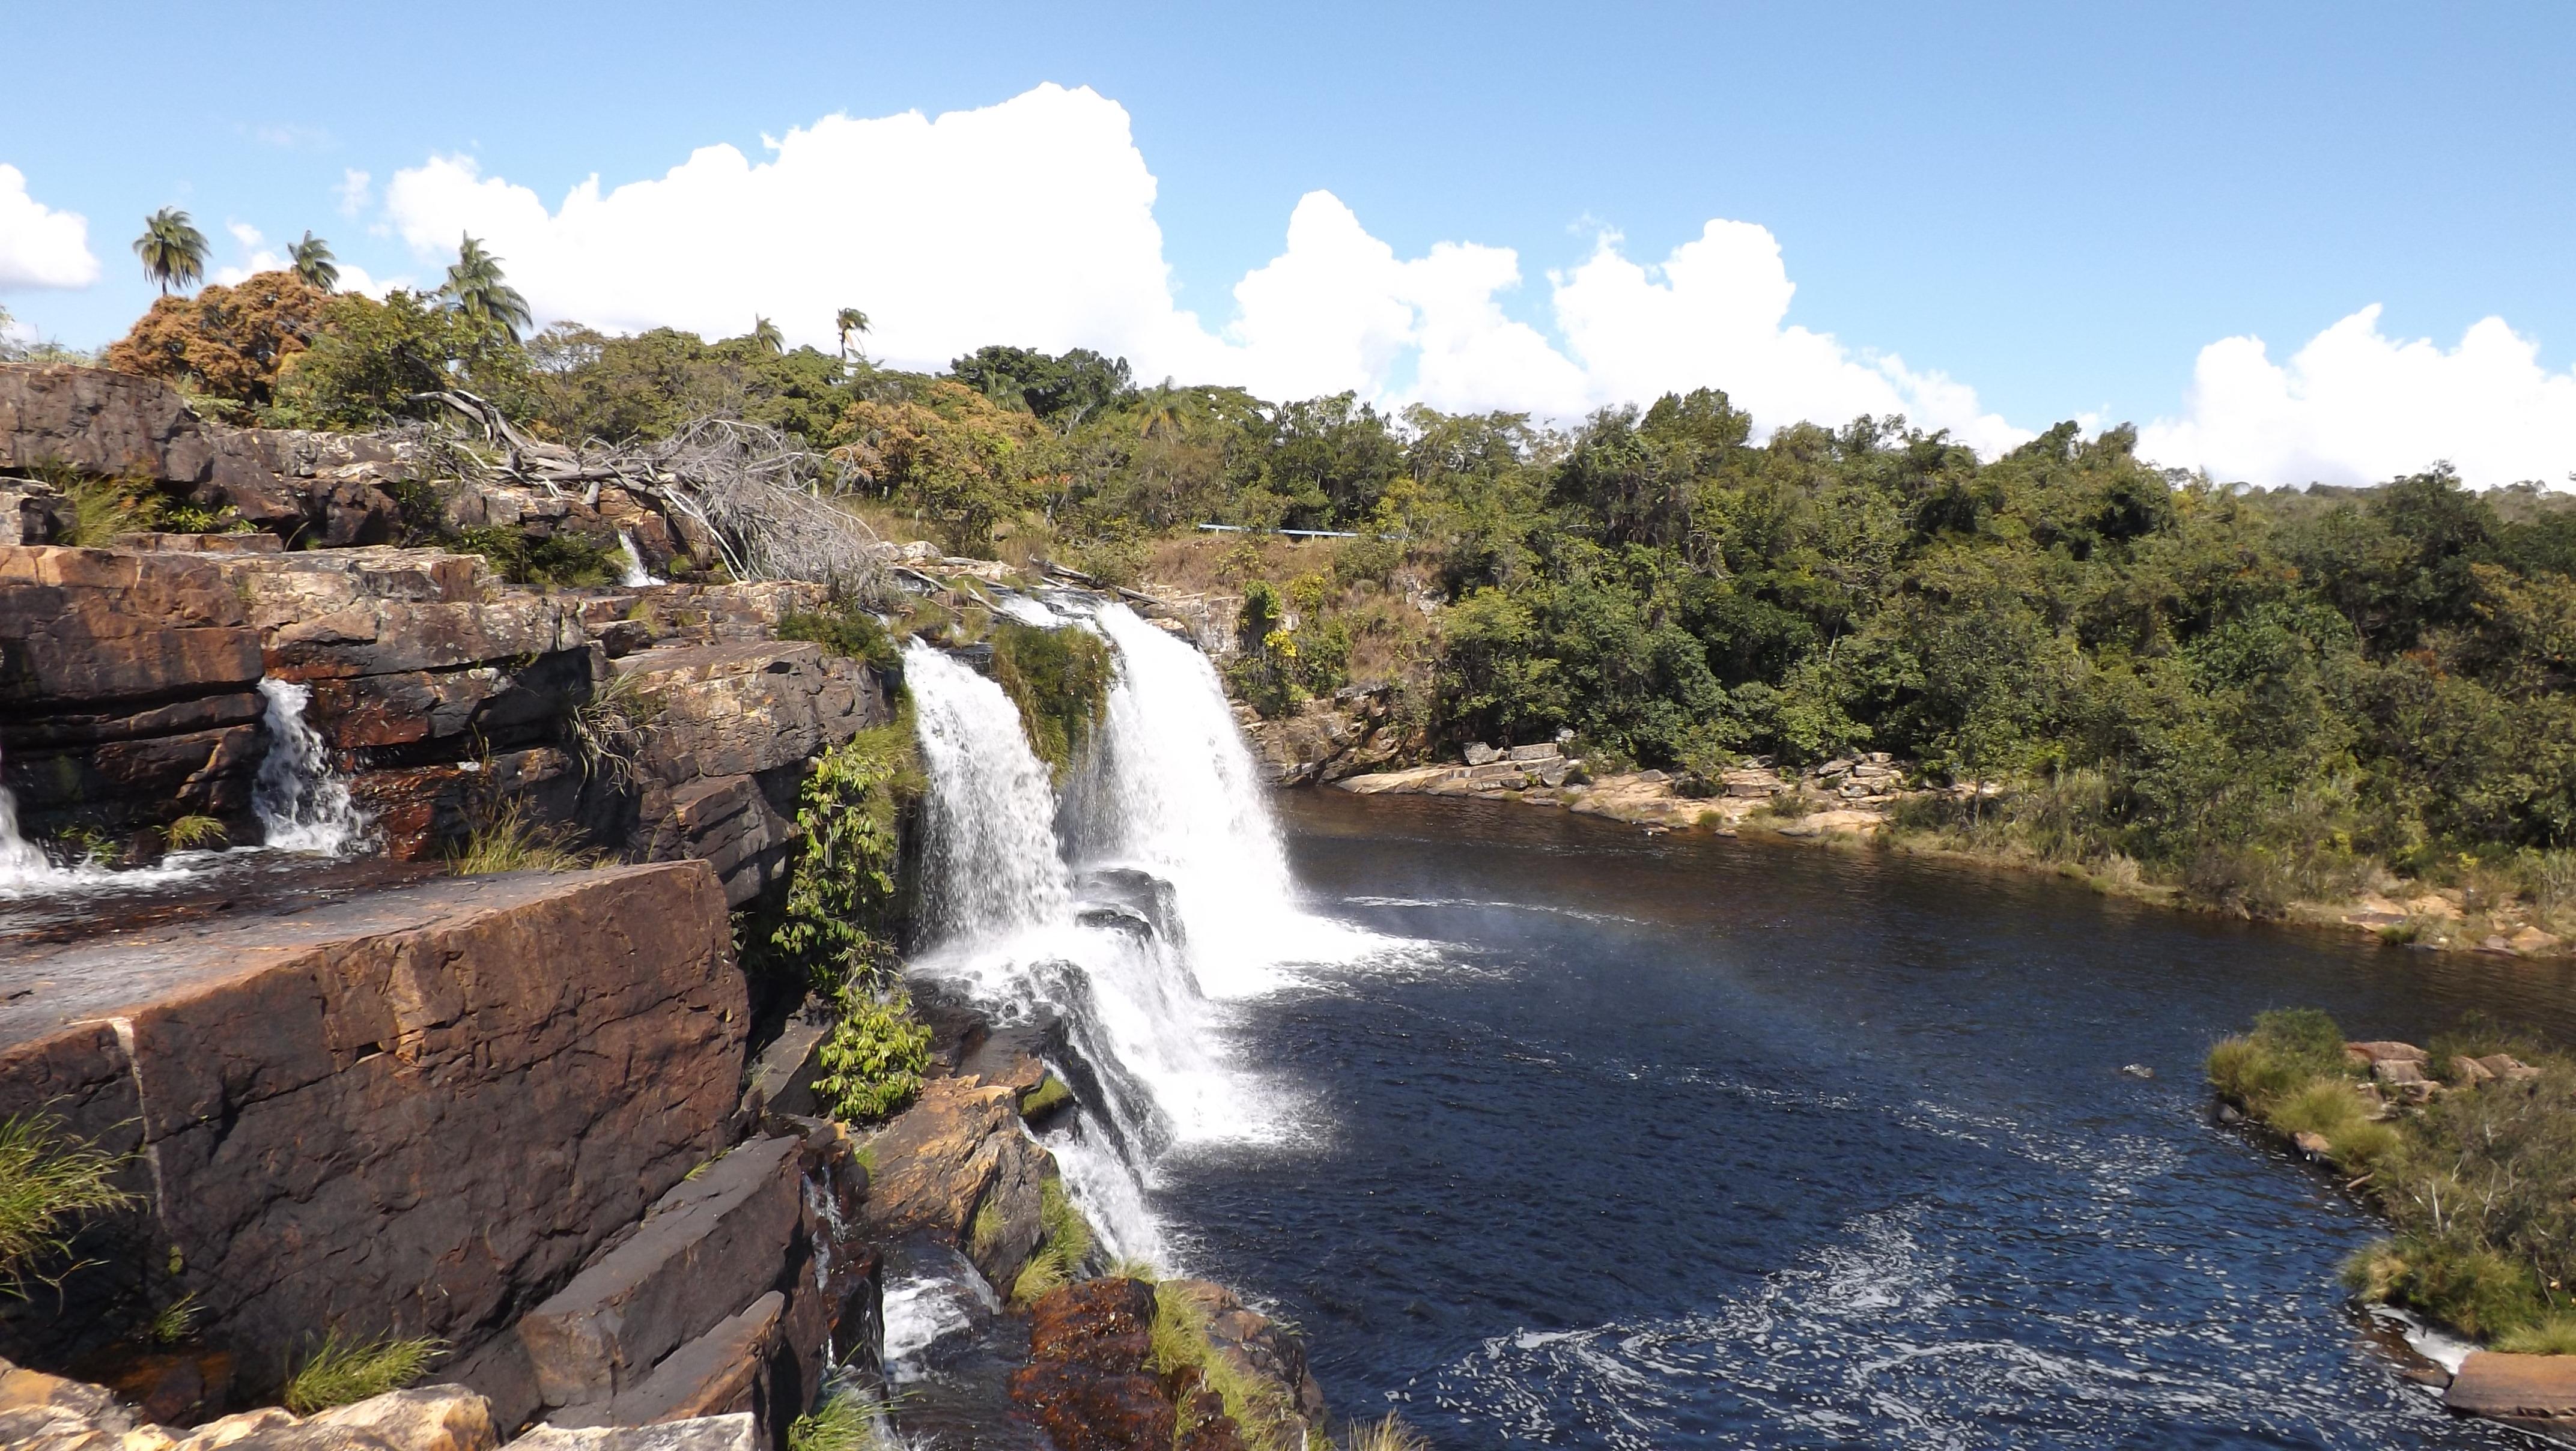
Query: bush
(830, 930)
(340, 1373)
(874, 1057)
(845, 629)
(2553, 1334)
(554, 561)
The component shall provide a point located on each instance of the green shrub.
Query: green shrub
(873, 1058)
(46, 1184)
(340, 1373)
(557, 560)
(845, 628)
(188, 833)
(2469, 1287)
(831, 927)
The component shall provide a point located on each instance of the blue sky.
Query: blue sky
(2059, 207)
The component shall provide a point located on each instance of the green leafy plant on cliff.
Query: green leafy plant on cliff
(47, 1183)
(190, 833)
(2479, 1183)
(341, 1372)
(874, 1058)
(559, 560)
(843, 893)
(845, 627)
(1060, 681)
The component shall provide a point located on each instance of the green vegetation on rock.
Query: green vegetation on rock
(341, 1372)
(838, 1422)
(874, 1058)
(1060, 681)
(1064, 1250)
(47, 1183)
(2478, 1178)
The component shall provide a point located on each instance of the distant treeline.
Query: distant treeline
(2259, 694)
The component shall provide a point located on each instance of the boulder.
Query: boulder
(2536, 1391)
(417, 1109)
(2508, 1067)
(2398, 1072)
(736, 1432)
(424, 1418)
(1260, 1352)
(101, 422)
(957, 1166)
(2469, 1072)
(2386, 1052)
(90, 626)
(1106, 1324)
(1478, 753)
(712, 1245)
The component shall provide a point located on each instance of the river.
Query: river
(1682, 1141)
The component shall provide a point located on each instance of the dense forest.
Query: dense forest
(2257, 696)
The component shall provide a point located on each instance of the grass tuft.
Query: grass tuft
(838, 1423)
(509, 842)
(340, 1373)
(46, 1184)
(188, 833)
(1390, 1434)
(2554, 1334)
(1064, 1252)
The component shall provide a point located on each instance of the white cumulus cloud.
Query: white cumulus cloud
(2355, 406)
(1032, 222)
(39, 246)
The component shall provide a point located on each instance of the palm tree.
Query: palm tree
(172, 249)
(1165, 407)
(849, 320)
(314, 263)
(476, 286)
(766, 333)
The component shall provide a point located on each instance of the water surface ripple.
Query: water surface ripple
(1684, 1142)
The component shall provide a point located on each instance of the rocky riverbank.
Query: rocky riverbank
(370, 929)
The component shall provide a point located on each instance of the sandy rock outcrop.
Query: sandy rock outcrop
(417, 1110)
(40, 1412)
(1352, 733)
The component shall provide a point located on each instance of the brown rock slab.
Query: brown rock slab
(711, 1245)
(2519, 1388)
(91, 625)
(1083, 1408)
(406, 1110)
(2387, 1051)
(423, 1418)
(1106, 1324)
(721, 1372)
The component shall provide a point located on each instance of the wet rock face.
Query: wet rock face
(1087, 1382)
(413, 1111)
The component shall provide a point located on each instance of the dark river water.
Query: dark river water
(1679, 1141)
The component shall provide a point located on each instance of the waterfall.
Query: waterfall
(23, 864)
(636, 575)
(302, 806)
(1122, 915)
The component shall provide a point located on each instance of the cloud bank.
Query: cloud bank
(40, 247)
(2355, 406)
(1032, 222)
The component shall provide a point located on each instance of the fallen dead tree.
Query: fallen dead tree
(764, 501)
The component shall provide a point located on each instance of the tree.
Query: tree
(229, 342)
(314, 263)
(172, 249)
(766, 334)
(1063, 390)
(849, 322)
(370, 361)
(475, 285)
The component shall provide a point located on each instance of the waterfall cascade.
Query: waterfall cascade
(302, 805)
(23, 864)
(635, 575)
(1122, 912)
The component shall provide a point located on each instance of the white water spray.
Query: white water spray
(302, 805)
(1157, 883)
(23, 864)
